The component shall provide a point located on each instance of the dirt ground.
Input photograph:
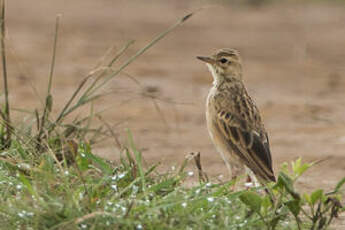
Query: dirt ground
(294, 61)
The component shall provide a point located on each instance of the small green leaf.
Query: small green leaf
(339, 185)
(298, 168)
(266, 203)
(303, 168)
(307, 198)
(152, 168)
(252, 200)
(164, 186)
(82, 162)
(285, 181)
(284, 168)
(296, 165)
(27, 184)
(316, 195)
(106, 168)
(294, 206)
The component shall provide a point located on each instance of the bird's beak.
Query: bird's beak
(206, 59)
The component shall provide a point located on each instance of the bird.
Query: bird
(234, 121)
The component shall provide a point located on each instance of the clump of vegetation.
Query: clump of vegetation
(43, 193)
(50, 178)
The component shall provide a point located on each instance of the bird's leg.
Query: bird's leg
(232, 173)
(248, 182)
(228, 166)
(251, 179)
(237, 170)
(230, 169)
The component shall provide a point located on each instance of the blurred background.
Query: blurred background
(294, 62)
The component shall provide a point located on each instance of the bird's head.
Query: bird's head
(224, 64)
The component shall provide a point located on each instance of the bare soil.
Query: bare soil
(294, 69)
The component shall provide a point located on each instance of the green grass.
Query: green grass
(91, 193)
(50, 178)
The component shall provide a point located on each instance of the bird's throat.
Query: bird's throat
(217, 78)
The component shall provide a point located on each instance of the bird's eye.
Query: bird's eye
(223, 60)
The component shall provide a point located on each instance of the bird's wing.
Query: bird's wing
(249, 141)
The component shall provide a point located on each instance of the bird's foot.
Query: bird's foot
(249, 183)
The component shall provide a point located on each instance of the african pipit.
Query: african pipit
(234, 121)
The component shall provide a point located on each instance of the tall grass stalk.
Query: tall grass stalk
(140, 52)
(108, 67)
(52, 66)
(6, 136)
(90, 93)
(49, 98)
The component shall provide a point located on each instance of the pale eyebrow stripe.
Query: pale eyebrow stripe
(226, 54)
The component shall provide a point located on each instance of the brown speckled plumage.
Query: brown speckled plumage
(233, 120)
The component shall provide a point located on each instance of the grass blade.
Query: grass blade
(6, 141)
(140, 52)
(49, 98)
(106, 169)
(52, 66)
(138, 158)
